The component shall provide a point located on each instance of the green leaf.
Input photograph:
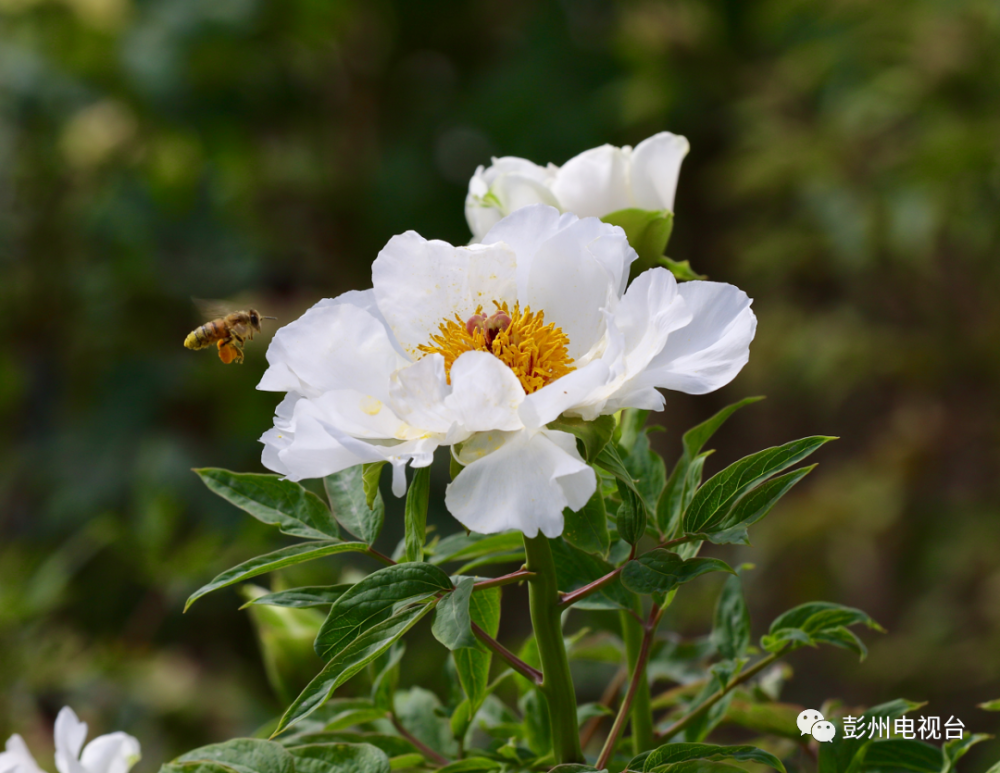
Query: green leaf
(340, 757)
(416, 514)
(681, 269)
(421, 713)
(350, 660)
(392, 745)
(471, 765)
(753, 506)
(648, 231)
(844, 638)
(646, 468)
(452, 619)
(956, 748)
(305, 596)
(630, 520)
(574, 767)
(713, 500)
(660, 571)
(462, 547)
(818, 621)
(731, 626)
(371, 472)
(678, 493)
(373, 599)
(591, 436)
(387, 677)
(244, 755)
(696, 437)
(279, 559)
(682, 752)
(587, 528)
(473, 664)
(609, 459)
(845, 755)
(574, 569)
(697, 766)
(990, 705)
(903, 754)
(537, 727)
(348, 495)
(274, 501)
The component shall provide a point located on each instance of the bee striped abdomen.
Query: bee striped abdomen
(206, 335)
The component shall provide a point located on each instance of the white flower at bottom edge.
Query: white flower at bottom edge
(111, 753)
(480, 347)
(594, 183)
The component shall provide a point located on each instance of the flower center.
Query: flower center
(536, 352)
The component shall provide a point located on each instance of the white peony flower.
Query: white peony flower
(112, 753)
(480, 347)
(595, 183)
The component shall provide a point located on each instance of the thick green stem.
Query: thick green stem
(642, 713)
(557, 682)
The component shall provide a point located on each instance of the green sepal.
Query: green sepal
(681, 269)
(648, 231)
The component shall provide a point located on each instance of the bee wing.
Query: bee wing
(211, 308)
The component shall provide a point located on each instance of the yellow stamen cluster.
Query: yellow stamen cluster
(536, 352)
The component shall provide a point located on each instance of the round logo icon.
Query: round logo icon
(824, 731)
(807, 719)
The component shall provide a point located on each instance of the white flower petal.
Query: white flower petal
(575, 389)
(419, 284)
(707, 353)
(17, 758)
(651, 310)
(571, 286)
(595, 183)
(524, 232)
(112, 753)
(523, 484)
(70, 733)
(485, 394)
(656, 166)
(334, 345)
(312, 451)
(417, 394)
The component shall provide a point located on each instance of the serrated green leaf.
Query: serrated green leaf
(305, 596)
(473, 664)
(731, 624)
(713, 500)
(903, 754)
(340, 757)
(373, 599)
(350, 660)
(452, 619)
(648, 232)
(348, 497)
(415, 519)
(245, 755)
(682, 752)
(279, 559)
(592, 436)
(660, 571)
(587, 528)
(574, 569)
(273, 501)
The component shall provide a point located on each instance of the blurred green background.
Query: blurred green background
(845, 171)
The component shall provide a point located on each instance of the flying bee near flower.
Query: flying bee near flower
(229, 333)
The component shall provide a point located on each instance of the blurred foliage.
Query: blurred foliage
(845, 171)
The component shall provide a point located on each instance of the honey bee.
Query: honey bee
(228, 333)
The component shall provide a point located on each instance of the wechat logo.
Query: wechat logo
(811, 722)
